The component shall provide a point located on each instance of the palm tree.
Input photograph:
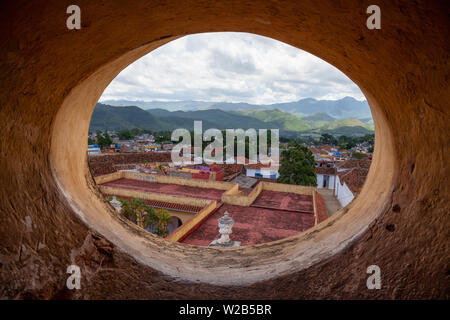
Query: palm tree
(128, 209)
(150, 218)
(163, 221)
(145, 216)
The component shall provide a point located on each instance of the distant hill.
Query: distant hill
(119, 118)
(167, 105)
(355, 131)
(345, 123)
(320, 116)
(281, 119)
(347, 107)
(215, 118)
(106, 117)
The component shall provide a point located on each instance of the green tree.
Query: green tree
(357, 155)
(125, 135)
(145, 216)
(297, 167)
(136, 132)
(103, 140)
(327, 138)
(163, 217)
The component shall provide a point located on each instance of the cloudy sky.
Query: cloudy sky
(231, 67)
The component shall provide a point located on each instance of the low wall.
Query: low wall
(233, 190)
(180, 233)
(109, 177)
(291, 188)
(220, 185)
(320, 209)
(239, 200)
(154, 196)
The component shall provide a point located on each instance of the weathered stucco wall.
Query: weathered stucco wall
(242, 200)
(199, 183)
(193, 223)
(109, 162)
(154, 196)
(282, 187)
(51, 212)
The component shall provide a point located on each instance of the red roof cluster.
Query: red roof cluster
(355, 163)
(325, 170)
(354, 178)
(104, 163)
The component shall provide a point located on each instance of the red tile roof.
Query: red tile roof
(354, 178)
(165, 205)
(173, 206)
(257, 166)
(354, 163)
(325, 170)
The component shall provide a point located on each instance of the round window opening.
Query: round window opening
(220, 151)
(215, 189)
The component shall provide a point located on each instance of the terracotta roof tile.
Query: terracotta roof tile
(355, 163)
(325, 170)
(353, 178)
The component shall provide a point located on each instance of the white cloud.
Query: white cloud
(232, 67)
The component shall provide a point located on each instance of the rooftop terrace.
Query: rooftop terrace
(165, 188)
(267, 212)
(252, 225)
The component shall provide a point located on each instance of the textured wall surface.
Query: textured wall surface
(108, 163)
(51, 213)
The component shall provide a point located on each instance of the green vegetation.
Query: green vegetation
(327, 139)
(297, 166)
(346, 107)
(125, 135)
(319, 116)
(281, 119)
(103, 139)
(135, 120)
(357, 155)
(144, 216)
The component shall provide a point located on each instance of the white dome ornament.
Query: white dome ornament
(116, 204)
(225, 229)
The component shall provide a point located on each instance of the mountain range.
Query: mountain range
(293, 119)
(344, 108)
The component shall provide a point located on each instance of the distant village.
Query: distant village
(342, 171)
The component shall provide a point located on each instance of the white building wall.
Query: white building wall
(264, 173)
(319, 180)
(331, 181)
(343, 193)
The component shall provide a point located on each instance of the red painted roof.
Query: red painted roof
(354, 178)
(252, 225)
(325, 170)
(354, 163)
(257, 166)
(284, 201)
